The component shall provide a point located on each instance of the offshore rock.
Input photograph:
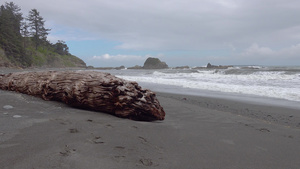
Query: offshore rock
(88, 90)
(210, 66)
(154, 63)
(135, 67)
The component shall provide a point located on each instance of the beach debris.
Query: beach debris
(88, 90)
(7, 107)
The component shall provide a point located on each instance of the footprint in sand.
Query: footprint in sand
(143, 139)
(230, 142)
(63, 121)
(263, 130)
(109, 126)
(67, 151)
(97, 140)
(120, 147)
(74, 130)
(146, 162)
(119, 158)
(249, 125)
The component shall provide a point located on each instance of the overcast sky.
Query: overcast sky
(179, 32)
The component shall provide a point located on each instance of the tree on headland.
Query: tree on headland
(10, 36)
(61, 48)
(25, 32)
(23, 41)
(36, 23)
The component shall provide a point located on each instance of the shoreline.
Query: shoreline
(282, 115)
(244, 98)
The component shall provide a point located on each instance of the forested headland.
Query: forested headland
(23, 41)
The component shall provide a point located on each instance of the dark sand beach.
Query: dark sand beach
(198, 132)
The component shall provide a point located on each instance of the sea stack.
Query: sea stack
(88, 90)
(154, 63)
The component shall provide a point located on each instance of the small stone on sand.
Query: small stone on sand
(17, 116)
(8, 107)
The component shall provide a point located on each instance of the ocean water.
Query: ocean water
(270, 82)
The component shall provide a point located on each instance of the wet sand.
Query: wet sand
(198, 132)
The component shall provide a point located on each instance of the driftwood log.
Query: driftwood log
(88, 90)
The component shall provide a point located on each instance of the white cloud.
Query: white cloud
(291, 52)
(119, 57)
(288, 52)
(163, 24)
(227, 3)
(256, 51)
(265, 55)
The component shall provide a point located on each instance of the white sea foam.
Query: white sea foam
(276, 84)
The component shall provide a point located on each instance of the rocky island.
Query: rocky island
(155, 63)
(151, 63)
(210, 66)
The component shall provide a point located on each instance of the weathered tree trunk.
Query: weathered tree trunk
(88, 90)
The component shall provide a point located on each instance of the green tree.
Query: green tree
(38, 31)
(25, 32)
(10, 36)
(61, 48)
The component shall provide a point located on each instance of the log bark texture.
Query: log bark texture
(88, 90)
